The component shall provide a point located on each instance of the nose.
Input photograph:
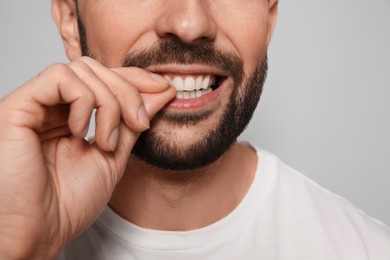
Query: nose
(188, 20)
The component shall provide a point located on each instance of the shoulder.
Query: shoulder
(309, 212)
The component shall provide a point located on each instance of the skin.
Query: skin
(50, 174)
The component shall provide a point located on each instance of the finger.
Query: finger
(127, 93)
(155, 102)
(56, 116)
(56, 123)
(127, 137)
(146, 82)
(108, 110)
(58, 84)
(55, 133)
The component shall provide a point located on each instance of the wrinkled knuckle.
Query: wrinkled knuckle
(136, 97)
(130, 97)
(78, 64)
(59, 68)
(55, 69)
(85, 59)
(88, 61)
(116, 107)
(82, 62)
(90, 97)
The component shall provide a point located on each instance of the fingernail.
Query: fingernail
(114, 139)
(143, 117)
(158, 78)
(85, 132)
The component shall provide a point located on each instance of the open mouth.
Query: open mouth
(194, 86)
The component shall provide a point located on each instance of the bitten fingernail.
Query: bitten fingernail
(114, 139)
(143, 117)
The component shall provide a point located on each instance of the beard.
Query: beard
(168, 154)
(165, 151)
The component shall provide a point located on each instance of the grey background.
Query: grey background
(325, 108)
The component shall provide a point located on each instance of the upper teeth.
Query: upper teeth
(191, 83)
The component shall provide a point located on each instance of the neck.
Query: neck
(177, 201)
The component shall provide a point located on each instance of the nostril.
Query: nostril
(187, 38)
(189, 21)
(171, 36)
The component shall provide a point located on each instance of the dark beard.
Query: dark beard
(164, 153)
(161, 152)
(155, 150)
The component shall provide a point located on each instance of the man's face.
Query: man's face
(214, 52)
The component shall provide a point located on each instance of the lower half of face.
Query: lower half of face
(211, 109)
(191, 138)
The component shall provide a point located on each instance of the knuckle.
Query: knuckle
(79, 65)
(90, 97)
(115, 106)
(58, 68)
(54, 73)
(88, 61)
(129, 97)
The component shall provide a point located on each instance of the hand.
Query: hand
(53, 184)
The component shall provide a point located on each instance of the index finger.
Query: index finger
(143, 80)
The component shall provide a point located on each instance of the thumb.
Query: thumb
(154, 102)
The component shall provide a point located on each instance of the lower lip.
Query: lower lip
(196, 103)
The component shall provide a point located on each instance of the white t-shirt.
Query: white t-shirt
(284, 215)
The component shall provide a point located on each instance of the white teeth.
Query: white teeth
(186, 95)
(206, 82)
(178, 83)
(179, 95)
(189, 84)
(199, 82)
(192, 94)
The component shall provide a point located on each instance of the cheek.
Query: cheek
(247, 28)
(106, 43)
(252, 43)
(110, 36)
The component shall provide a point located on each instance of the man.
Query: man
(174, 83)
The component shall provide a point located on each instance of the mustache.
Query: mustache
(174, 51)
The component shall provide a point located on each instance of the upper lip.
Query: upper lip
(184, 69)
